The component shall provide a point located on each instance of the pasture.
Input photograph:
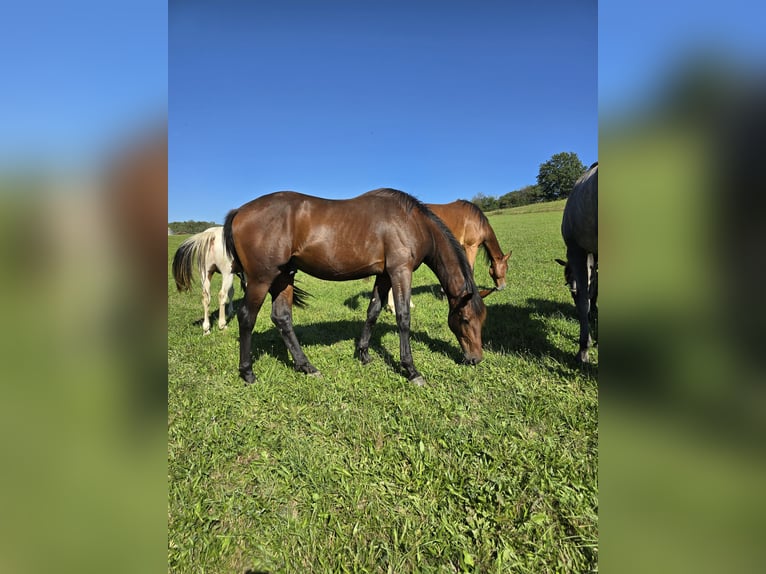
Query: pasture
(490, 468)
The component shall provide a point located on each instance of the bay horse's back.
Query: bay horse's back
(330, 239)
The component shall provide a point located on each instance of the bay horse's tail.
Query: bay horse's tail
(188, 253)
(300, 296)
(228, 240)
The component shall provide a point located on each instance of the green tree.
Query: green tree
(558, 175)
(485, 202)
(524, 196)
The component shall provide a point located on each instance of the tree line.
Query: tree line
(555, 180)
(190, 227)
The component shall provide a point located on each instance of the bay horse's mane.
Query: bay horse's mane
(409, 203)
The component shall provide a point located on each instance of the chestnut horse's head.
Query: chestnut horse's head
(498, 269)
(467, 314)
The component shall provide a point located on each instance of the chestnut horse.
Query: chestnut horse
(579, 229)
(471, 228)
(206, 250)
(384, 232)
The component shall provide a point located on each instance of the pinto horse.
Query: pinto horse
(579, 228)
(471, 228)
(384, 232)
(206, 250)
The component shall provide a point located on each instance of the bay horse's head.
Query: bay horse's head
(467, 314)
(497, 270)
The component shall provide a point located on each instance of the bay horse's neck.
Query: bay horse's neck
(448, 262)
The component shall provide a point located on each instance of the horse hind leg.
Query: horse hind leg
(381, 290)
(225, 294)
(206, 277)
(282, 317)
(246, 316)
(579, 264)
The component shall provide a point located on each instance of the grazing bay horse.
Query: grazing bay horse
(384, 232)
(579, 228)
(471, 228)
(207, 252)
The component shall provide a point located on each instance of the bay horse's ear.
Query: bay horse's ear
(560, 262)
(484, 292)
(508, 255)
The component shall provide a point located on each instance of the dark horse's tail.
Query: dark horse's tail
(299, 295)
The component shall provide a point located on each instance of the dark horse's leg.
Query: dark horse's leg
(282, 317)
(578, 259)
(401, 284)
(593, 296)
(255, 293)
(379, 294)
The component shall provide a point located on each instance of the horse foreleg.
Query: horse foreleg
(401, 288)
(248, 312)
(282, 317)
(380, 289)
(470, 253)
(578, 260)
(206, 302)
(390, 305)
(226, 293)
(593, 297)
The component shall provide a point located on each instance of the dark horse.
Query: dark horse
(579, 228)
(385, 232)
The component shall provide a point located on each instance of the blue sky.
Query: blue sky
(443, 100)
(643, 46)
(77, 76)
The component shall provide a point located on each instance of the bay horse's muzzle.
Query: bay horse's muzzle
(471, 360)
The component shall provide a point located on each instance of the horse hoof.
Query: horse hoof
(249, 378)
(206, 332)
(418, 381)
(315, 374)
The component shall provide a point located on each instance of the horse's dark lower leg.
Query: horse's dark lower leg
(579, 262)
(401, 287)
(593, 312)
(246, 316)
(282, 317)
(379, 293)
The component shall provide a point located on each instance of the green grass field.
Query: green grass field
(491, 468)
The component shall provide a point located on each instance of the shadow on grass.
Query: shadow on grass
(521, 329)
(362, 299)
(331, 332)
(524, 329)
(214, 318)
